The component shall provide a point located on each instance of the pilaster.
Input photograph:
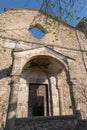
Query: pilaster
(13, 102)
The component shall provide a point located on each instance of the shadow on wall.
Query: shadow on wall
(10, 123)
(5, 72)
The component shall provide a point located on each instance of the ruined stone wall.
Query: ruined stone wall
(15, 24)
(72, 43)
(5, 70)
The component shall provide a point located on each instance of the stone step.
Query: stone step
(47, 123)
(51, 123)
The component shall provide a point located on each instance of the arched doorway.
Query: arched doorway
(40, 79)
(50, 63)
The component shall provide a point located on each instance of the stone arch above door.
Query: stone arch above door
(21, 58)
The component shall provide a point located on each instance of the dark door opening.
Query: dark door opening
(38, 107)
(38, 100)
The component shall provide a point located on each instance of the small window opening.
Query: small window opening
(37, 32)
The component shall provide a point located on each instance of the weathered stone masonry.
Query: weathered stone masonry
(58, 61)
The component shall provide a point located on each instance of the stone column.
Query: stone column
(62, 112)
(13, 103)
(60, 81)
(55, 99)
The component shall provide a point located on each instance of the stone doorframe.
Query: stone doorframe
(20, 59)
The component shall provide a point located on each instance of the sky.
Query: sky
(78, 12)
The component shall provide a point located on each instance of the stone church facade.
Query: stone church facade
(44, 77)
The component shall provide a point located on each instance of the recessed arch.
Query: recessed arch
(45, 62)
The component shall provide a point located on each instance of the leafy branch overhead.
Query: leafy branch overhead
(65, 10)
